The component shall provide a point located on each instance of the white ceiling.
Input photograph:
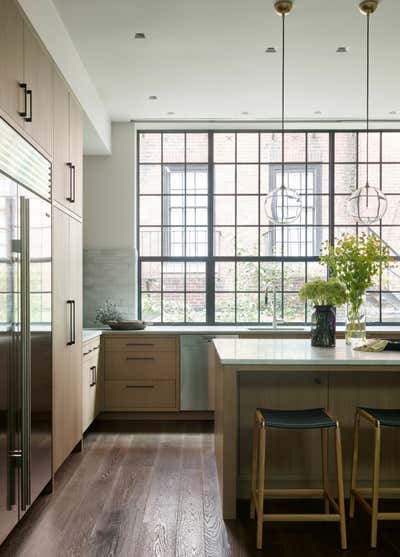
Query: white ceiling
(206, 59)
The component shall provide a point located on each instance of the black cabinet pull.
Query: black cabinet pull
(139, 386)
(74, 321)
(73, 183)
(138, 344)
(140, 358)
(23, 113)
(93, 376)
(29, 94)
(71, 197)
(72, 325)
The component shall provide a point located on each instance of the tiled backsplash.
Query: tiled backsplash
(108, 274)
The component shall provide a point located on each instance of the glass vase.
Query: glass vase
(356, 321)
(323, 326)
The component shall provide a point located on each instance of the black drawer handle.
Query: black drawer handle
(137, 344)
(140, 358)
(93, 378)
(24, 112)
(29, 117)
(139, 386)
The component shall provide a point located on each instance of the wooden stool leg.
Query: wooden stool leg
(339, 465)
(261, 479)
(354, 468)
(375, 486)
(324, 459)
(254, 457)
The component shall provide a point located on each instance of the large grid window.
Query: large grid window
(206, 249)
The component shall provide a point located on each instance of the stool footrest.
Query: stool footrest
(320, 517)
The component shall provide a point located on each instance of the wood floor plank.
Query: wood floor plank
(190, 521)
(151, 490)
(215, 535)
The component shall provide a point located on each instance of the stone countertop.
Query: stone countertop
(285, 352)
(90, 334)
(227, 330)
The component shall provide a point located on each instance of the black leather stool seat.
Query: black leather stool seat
(315, 418)
(386, 417)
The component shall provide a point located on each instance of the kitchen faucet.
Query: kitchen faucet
(271, 287)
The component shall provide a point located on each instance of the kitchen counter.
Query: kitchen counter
(234, 330)
(299, 352)
(90, 334)
(290, 374)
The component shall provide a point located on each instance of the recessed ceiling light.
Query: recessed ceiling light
(270, 50)
(153, 98)
(342, 49)
(140, 36)
(393, 112)
(317, 112)
(170, 113)
(244, 112)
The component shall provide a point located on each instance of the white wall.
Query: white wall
(48, 24)
(109, 257)
(109, 197)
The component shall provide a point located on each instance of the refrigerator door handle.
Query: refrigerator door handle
(25, 358)
(14, 454)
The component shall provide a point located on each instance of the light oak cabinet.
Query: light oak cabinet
(11, 59)
(38, 77)
(68, 147)
(92, 382)
(67, 335)
(26, 77)
(141, 373)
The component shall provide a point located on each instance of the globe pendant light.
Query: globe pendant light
(367, 204)
(282, 205)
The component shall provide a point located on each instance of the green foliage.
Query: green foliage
(355, 261)
(108, 312)
(323, 292)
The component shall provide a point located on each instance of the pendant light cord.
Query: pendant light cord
(283, 98)
(367, 126)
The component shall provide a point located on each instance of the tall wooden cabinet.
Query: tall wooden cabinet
(68, 145)
(11, 59)
(67, 336)
(26, 80)
(38, 77)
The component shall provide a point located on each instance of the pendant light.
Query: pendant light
(367, 204)
(282, 205)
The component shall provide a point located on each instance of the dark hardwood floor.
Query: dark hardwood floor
(150, 490)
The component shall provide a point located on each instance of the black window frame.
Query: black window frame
(210, 260)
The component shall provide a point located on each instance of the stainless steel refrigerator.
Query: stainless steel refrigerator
(25, 327)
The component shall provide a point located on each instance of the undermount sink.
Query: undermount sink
(278, 328)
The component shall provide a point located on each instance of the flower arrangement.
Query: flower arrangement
(108, 312)
(324, 292)
(355, 262)
(325, 295)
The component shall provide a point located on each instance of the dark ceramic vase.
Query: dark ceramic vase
(323, 327)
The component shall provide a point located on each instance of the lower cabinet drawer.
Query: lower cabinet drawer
(131, 365)
(140, 395)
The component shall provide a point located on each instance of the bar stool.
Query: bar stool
(377, 418)
(296, 419)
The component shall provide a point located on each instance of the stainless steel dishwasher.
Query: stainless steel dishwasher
(194, 370)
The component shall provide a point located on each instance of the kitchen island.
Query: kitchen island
(289, 373)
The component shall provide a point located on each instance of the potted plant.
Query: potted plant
(107, 313)
(355, 262)
(325, 295)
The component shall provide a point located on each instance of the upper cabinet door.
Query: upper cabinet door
(75, 151)
(62, 166)
(38, 75)
(11, 60)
